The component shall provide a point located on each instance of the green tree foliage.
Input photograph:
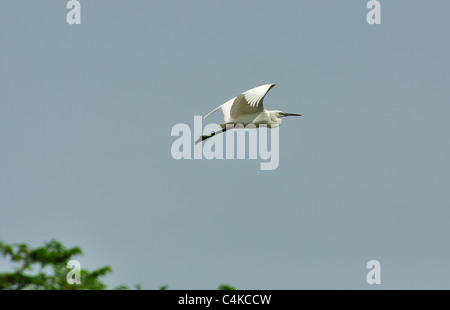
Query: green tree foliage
(51, 262)
(45, 268)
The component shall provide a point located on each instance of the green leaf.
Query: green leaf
(226, 287)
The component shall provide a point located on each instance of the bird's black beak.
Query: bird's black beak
(291, 114)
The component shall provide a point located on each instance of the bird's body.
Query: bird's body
(247, 108)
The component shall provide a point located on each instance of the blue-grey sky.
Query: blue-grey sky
(86, 113)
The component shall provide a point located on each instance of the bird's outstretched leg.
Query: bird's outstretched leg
(212, 134)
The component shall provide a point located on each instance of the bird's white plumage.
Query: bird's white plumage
(248, 102)
(247, 109)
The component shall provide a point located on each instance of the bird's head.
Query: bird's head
(276, 116)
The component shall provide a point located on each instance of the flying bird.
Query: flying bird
(248, 108)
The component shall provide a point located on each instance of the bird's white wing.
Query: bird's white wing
(226, 108)
(248, 102)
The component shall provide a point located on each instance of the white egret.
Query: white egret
(247, 108)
